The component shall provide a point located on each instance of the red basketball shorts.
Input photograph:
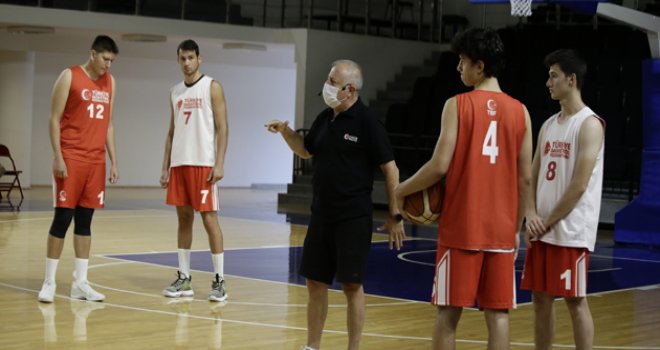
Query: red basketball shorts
(189, 185)
(463, 276)
(558, 271)
(84, 185)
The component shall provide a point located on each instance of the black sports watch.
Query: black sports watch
(397, 217)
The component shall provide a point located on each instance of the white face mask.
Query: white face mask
(330, 96)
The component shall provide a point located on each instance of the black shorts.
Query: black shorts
(337, 249)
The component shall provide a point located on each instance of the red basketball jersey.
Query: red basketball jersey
(84, 124)
(481, 199)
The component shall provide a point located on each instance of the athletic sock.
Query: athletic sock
(81, 269)
(184, 262)
(219, 263)
(51, 269)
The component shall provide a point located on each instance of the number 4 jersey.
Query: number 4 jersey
(481, 201)
(84, 123)
(558, 147)
(194, 141)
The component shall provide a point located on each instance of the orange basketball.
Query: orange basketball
(424, 207)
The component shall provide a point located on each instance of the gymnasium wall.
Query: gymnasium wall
(281, 81)
(141, 118)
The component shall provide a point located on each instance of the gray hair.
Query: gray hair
(352, 72)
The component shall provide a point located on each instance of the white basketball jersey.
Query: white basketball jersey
(194, 140)
(559, 150)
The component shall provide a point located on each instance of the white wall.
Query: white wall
(17, 72)
(259, 85)
(253, 94)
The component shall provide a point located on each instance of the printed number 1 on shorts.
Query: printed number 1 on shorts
(101, 197)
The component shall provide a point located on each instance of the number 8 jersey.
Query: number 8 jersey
(558, 147)
(84, 123)
(194, 141)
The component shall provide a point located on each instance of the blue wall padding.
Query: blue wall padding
(639, 221)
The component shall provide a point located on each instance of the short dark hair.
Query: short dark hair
(188, 45)
(104, 43)
(570, 62)
(481, 44)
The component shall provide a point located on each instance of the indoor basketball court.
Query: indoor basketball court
(134, 260)
(134, 256)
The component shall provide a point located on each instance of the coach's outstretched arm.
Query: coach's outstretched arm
(295, 141)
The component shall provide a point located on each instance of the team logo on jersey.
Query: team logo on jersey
(560, 149)
(492, 107)
(179, 103)
(86, 95)
(62, 196)
(193, 103)
(95, 95)
(350, 137)
(547, 148)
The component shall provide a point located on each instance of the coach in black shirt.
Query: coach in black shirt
(347, 141)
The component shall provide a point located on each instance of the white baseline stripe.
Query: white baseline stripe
(399, 301)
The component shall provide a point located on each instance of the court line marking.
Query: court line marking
(290, 284)
(402, 256)
(95, 218)
(119, 261)
(328, 331)
(524, 249)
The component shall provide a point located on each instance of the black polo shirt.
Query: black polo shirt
(346, 152)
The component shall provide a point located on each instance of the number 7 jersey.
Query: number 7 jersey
(194, 141)
(558, 148)
(84, 123)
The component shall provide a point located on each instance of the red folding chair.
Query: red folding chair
(9, 179)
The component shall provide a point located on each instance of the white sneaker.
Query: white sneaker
(47, 292)
(82, 290)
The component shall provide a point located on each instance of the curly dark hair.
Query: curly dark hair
(481, 44)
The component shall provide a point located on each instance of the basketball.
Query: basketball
(424, 207)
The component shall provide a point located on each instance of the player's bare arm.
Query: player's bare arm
(165, 173)
(437, 166)
(395, 228)
(295, 141)
(524, 173)
(221, 130)
(110, 141)
(590, 141)
(534, 224)
(58, 101)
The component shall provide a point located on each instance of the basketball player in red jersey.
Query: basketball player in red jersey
(484, 150)
(80, 131)
(193, 163)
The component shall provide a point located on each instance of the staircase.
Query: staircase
(400, 90)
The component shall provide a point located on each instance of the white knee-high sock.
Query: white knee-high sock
(184, 261)
(81, 269)
(219, 263)
(51, 269)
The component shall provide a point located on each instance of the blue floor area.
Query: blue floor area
(411, 276)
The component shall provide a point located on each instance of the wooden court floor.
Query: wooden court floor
(259, 314)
